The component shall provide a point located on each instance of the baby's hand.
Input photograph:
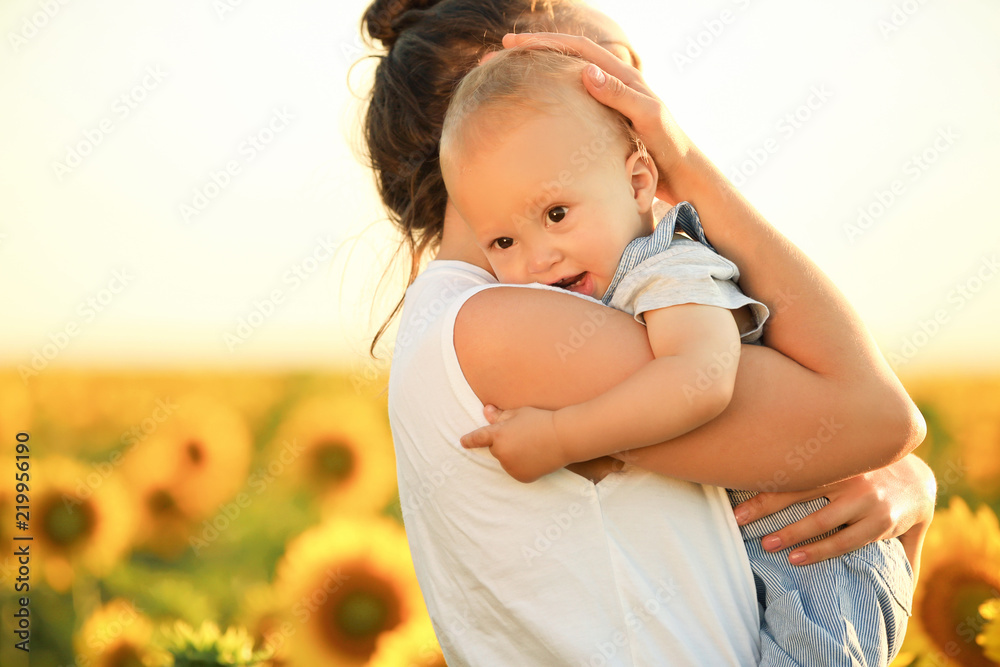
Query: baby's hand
(524, 441)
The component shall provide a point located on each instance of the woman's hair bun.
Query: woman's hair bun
(384, 20)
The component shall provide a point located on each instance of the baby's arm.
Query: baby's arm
(689, 383)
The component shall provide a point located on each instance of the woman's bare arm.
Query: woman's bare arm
(786, 428)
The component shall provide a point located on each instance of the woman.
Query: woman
(605, 564)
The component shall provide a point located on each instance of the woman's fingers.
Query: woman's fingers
(846, 540)
(765, 504)
(818, 523)
(611, 92)
(583, 47)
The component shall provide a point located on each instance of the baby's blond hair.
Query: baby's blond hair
(517, 82)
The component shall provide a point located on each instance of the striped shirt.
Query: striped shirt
(845, 611)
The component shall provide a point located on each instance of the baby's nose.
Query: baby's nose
(543, 257)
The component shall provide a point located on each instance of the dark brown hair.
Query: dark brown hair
(430, 45)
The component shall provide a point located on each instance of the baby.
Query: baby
(557, 189)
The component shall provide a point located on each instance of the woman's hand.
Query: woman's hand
(616, 84)
(895, 501)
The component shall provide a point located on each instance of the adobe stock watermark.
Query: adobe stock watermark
(303, 609)
(122, 107)
(414, 494)
(699, 43)
(580, 160)
(957, 298)
(802, 454)
(552, 532)
(708, 376)
(421, 318)
(559, 523)
(786, 127)
(225, 7)
(900, 15)
(250, 148)
(264, 308)
(966, 631)
(636, 617)
(949, 476)
(450, 630)
(911, 171)
(102, 470)
(87, 310)
(579, 335)
(33, 24)
(367, 370)
(258, 482)
(111, 630)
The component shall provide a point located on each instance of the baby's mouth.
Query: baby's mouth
(571, 282)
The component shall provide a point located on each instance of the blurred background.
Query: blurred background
(193, 262)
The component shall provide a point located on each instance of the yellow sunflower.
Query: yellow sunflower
(963, 419)
(254, 395)
(75, 523)
(341, 447)
(164, 527)
(116, 635)
(199, 457)
(342, 585)
(8, 561)
(411, 645)
(15, 413)
(260, 613)
(960, 569)
(990, 637)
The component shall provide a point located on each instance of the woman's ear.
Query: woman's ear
(643, 176)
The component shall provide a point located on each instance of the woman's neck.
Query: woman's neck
(457, 241)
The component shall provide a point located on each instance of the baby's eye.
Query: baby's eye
(503, 242)
(557, 213)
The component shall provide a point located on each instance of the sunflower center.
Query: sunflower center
(195, 452)
(334, 460)
(950, 611)
(124, 655)
(361, 614)
(66, 525)
(358, 611)
(160, 503)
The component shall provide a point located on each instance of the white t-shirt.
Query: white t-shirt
(639, 569)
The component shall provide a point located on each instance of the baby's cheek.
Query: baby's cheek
(510, 275)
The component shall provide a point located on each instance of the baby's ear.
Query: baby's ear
(643, 176)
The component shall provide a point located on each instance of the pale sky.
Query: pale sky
(171, 170)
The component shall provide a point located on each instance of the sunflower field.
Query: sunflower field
(252, 519)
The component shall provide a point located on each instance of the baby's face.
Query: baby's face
(552, 202)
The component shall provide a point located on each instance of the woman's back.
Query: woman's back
(638, 569)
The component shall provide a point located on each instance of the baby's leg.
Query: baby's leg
(849, 611)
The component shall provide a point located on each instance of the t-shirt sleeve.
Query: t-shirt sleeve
(687, 272)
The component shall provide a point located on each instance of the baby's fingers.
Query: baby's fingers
(492, 413)
(481, 437)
